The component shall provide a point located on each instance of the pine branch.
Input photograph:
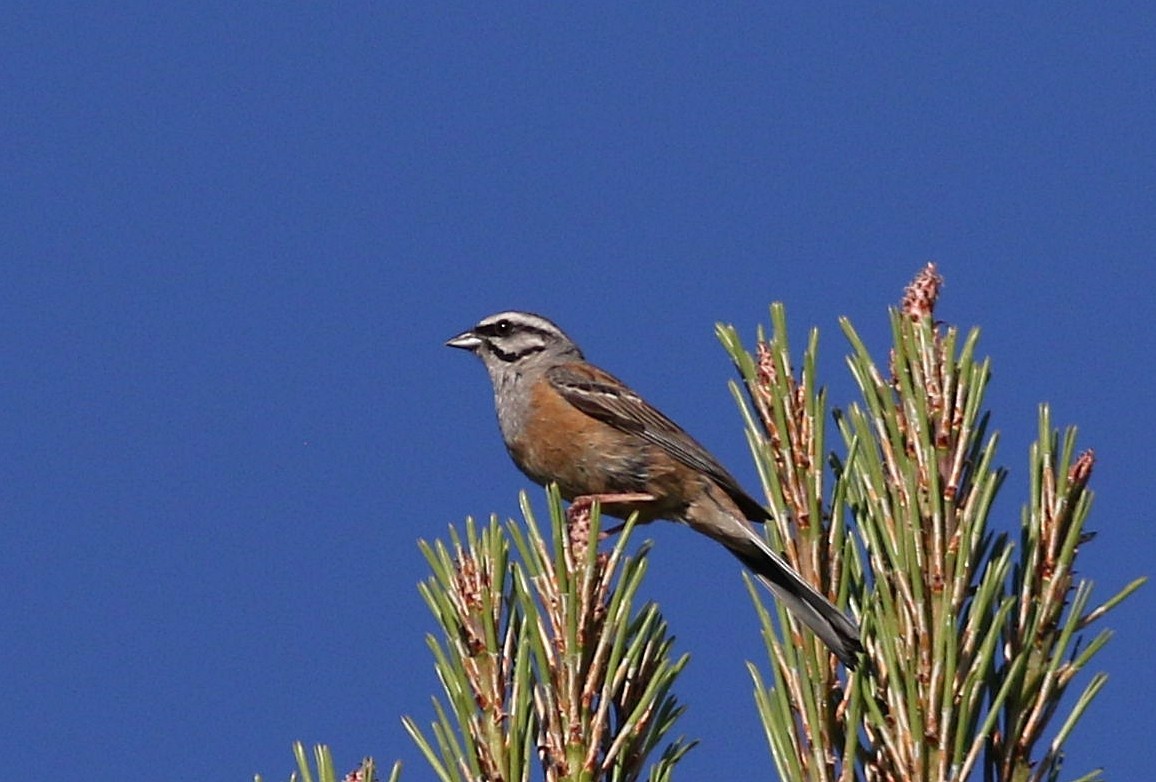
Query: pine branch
(323, 770)
(543, 655)
(972, 641)
(805, 708)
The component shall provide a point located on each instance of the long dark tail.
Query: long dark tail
(716, 516)
(832, 626)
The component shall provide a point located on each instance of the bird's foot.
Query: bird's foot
(578, 514)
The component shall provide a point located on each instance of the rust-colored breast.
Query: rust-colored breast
(585, 456)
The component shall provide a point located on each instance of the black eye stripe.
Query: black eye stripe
(500, 329)
(510, 336)
(504, 328)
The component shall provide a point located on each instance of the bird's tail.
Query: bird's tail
(808, 605)
(832, 626)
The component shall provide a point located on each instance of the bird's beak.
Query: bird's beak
(467, 340)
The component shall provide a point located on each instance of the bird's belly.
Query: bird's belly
(586, 465)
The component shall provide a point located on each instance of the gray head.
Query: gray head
(513, 338)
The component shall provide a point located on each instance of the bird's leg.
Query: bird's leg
(581, 505)
(578, 515)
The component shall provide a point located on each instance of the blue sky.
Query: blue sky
(235, 238)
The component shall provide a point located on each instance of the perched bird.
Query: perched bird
(566, 421)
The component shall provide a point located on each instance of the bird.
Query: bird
(567, 422)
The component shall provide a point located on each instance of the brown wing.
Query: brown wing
(600, 395)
